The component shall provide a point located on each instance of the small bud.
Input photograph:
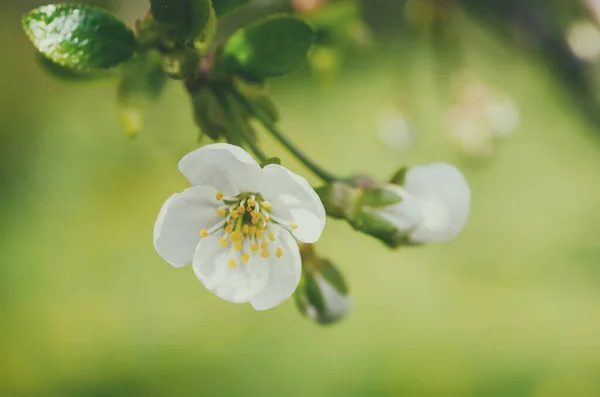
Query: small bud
(322, 295)
(338, 198)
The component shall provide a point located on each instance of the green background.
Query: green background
(87, 307)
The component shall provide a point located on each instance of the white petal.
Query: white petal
(284, 274)
(225, 167)
(183, 215)
(405, 215)
(294, 200)
(445, 199)
(237, 285)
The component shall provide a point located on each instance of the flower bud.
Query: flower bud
(322, 295)
(434, 206)
(379, 212)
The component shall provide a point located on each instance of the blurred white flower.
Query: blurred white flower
(435, 206)
(479, 117)
(584, 40)
(503, 115)
(238, 224)
(395, 132)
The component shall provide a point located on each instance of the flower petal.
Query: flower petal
(294, 200)
(445, 199)
(284, 274)
(405, 215)
(237, 285)
(225, 167)
(182, 216)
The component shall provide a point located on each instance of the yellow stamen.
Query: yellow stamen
(203, 233)
(248, 209)
(221, 212)
(264, 245)
(220, 195)
(266, 205)
(264, 254)
(234, 214)
(293, 225)
(272, 236)
(260, 234)
(254, 247)
(223, 241)
(279, 253)
(252, 230)
(245, 257)
(232, 263)
(245, 229)
(241, 209)
(238, 246)
(228, 229)
(255, 221)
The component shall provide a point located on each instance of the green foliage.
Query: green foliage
(268, 48)
(368, 221)
(378, 197)
(181, 21)
(334, 277)
(399, 177)
(208, 114)
(225, 6)
(66, 74)
(313, 293)
(271, 160)
(79, 36)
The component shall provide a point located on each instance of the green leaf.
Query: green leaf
(208, 114)
(79, 36)
(334, 277)
(203, 42)
(271, 160)
(66, 74)
(370, 222)
(225, 6)
(399, 177)
(268, 48)
(379, 197)
(314, 295)
(182, 21)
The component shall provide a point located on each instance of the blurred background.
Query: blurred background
(504, 89)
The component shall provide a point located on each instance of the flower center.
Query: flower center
(247, 227)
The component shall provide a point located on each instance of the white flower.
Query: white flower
(436, 200)
(238, 224)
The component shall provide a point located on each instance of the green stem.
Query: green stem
(255, 149)
(239, 134)
(280, 136)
